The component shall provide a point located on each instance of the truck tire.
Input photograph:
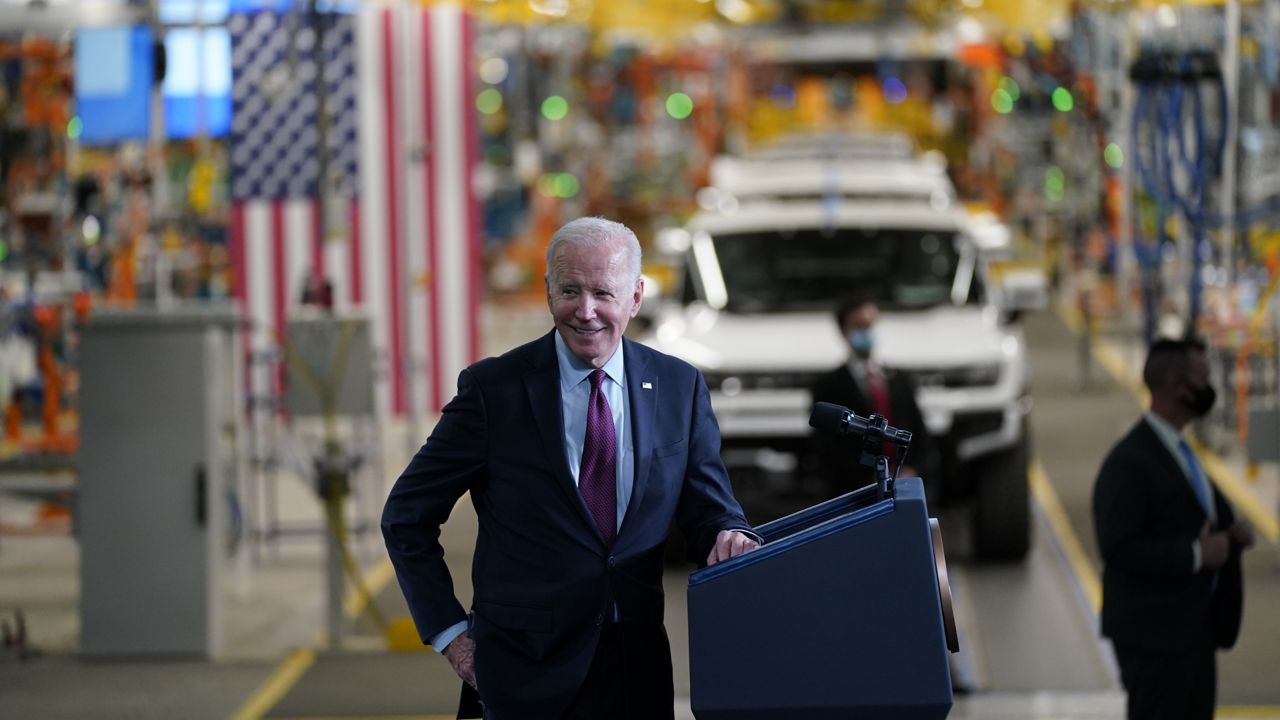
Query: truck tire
(1002, 506)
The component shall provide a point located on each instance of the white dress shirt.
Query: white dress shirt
(575, 393)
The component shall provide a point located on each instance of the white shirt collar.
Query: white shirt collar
(1167, 432)
(859, 367)
(574, 369)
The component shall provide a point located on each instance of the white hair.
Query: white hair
(596, 232)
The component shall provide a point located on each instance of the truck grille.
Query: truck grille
(971, 376)
(972, 424)
(732, 383)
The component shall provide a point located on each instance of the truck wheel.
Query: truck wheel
(1002, 506)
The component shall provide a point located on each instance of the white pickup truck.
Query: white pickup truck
(754, 313)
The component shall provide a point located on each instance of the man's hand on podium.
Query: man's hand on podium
(730, 544)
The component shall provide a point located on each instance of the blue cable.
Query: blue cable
(1164, 107)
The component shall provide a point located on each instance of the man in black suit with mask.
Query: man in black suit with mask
(865, 387)
(1171, 586)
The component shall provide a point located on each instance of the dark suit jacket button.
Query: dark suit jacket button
(600, 619)
(613, 561)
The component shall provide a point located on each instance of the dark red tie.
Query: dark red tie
(879, 394)
(598, 473)
(879, 390)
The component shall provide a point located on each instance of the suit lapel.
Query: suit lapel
(855, 389)
(642, 389)
(542, 383)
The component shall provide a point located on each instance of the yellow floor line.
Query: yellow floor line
(285, 676)
(1060, 524)
(1237, 491)
(376, 579)
(293, 667)
(1114, 362)
(1070, 316)
(1248, 711)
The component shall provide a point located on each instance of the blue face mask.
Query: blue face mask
(862, 341)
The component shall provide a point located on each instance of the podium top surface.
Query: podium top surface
(815, 523)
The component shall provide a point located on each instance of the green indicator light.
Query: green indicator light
(555, 108)
(1055, 184)
(547, 185)
(1062, 100)
(74, 128)
(558, 185)
(1002, 101)
(1114, 156)
(1010, 86)
(679, 106)
(489, 101)
(566, 185)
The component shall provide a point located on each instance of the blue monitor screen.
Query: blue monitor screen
(189, 12)
(197, 82)
(114, 68)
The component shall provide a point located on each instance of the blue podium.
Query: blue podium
(845, 612)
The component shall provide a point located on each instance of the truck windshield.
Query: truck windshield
(795, 270)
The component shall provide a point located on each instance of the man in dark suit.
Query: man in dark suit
(579, 450)
(1171, 584)
(866, 388)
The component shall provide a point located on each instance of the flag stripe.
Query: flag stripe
(238, 265)
(455, 343)
(412, 244)
(369, 243)
(391, 138)
(257, 238)
(357, 276)
(436, 394)
(470, 125)
(241, 287)
(338, 268)
(279, 283)
(299, 253)
(280, 286)
(319, 264)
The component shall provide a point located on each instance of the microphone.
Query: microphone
(838, 419)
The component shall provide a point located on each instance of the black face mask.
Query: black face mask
(1201, 400)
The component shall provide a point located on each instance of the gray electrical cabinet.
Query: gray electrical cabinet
(160, 409)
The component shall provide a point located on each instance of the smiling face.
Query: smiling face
(592, 296)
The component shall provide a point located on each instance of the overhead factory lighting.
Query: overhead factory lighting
(738, 11)
(550, 8)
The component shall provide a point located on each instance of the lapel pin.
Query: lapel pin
(646, 385)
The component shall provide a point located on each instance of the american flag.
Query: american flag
(403, 241)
